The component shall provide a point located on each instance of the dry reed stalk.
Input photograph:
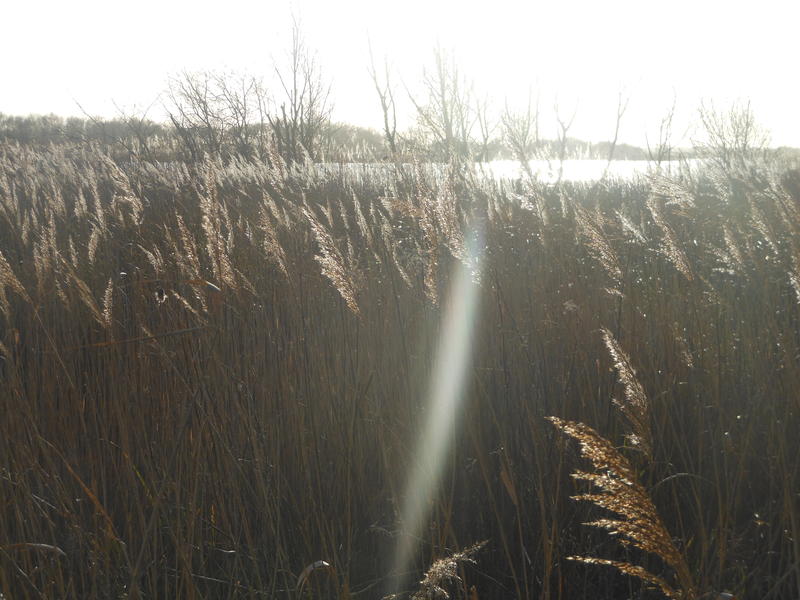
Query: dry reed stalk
(633, 230)
(736, 258)
(80, 207)
(363, 227)
(154, 258)
(186, 253)
(9, 279)
(672, 248)
(274, 470)
(73, 253)
(94, 241)
(639, 523)
(759, 223)
(444, 572)
(428, 225)
(215, 225)
(85, 294)
(590, 228)
(635, 407)
(534, 194)
(673, 193)
(5, 307)
(108, 305)
(332, 263)
(98, 214)
(685, 352)
(391, 243)
(448, 222)
(271, 245)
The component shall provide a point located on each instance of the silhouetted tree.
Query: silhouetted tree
(521, 133)
(663, 148)
(564, 126)
(303, 114)
(383, 87)
(447, 114)
(622, 106)
(732, 137)
(486, 126)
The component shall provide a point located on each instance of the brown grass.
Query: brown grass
(212, 376)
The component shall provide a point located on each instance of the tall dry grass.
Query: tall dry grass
(213, 375)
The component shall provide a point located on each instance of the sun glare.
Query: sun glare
(444, 402)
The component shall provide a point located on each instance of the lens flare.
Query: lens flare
(445, 395)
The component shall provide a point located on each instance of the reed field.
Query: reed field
(215, 375)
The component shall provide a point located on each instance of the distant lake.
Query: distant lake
(578, 170)
(546, 171)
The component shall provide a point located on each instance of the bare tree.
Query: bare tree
(383, 87)
(195, 113)
(304, 113)
(486, 127)
(264, 138)
(131, 131)
(564, 126)
(141, 132)
(240, 96)
(521, 133)
(663, 149)
(622, 106)
(217, 113)
(733, 137)
(447, 114)
(227, 114)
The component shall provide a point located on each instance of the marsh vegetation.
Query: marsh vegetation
(215, 371)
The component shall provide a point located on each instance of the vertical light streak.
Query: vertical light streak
(445, 395)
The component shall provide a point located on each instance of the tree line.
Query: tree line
(229, 114)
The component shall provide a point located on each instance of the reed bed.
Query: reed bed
(212, 377)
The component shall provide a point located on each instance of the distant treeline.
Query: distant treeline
(343, 142)
(160, 141)
(235, 116)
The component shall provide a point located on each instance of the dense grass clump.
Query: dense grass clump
(213, 375)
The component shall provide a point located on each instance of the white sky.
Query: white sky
(56, 53)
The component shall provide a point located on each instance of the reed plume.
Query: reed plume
(672, 248)
(333, 263)
(635, 407)
(444, 573)
(590, 229)
(637, 522)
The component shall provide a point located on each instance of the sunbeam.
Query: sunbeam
(445, 397)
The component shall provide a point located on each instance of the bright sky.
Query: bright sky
(56, 53)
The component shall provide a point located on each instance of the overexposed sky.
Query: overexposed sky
(579, 54)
